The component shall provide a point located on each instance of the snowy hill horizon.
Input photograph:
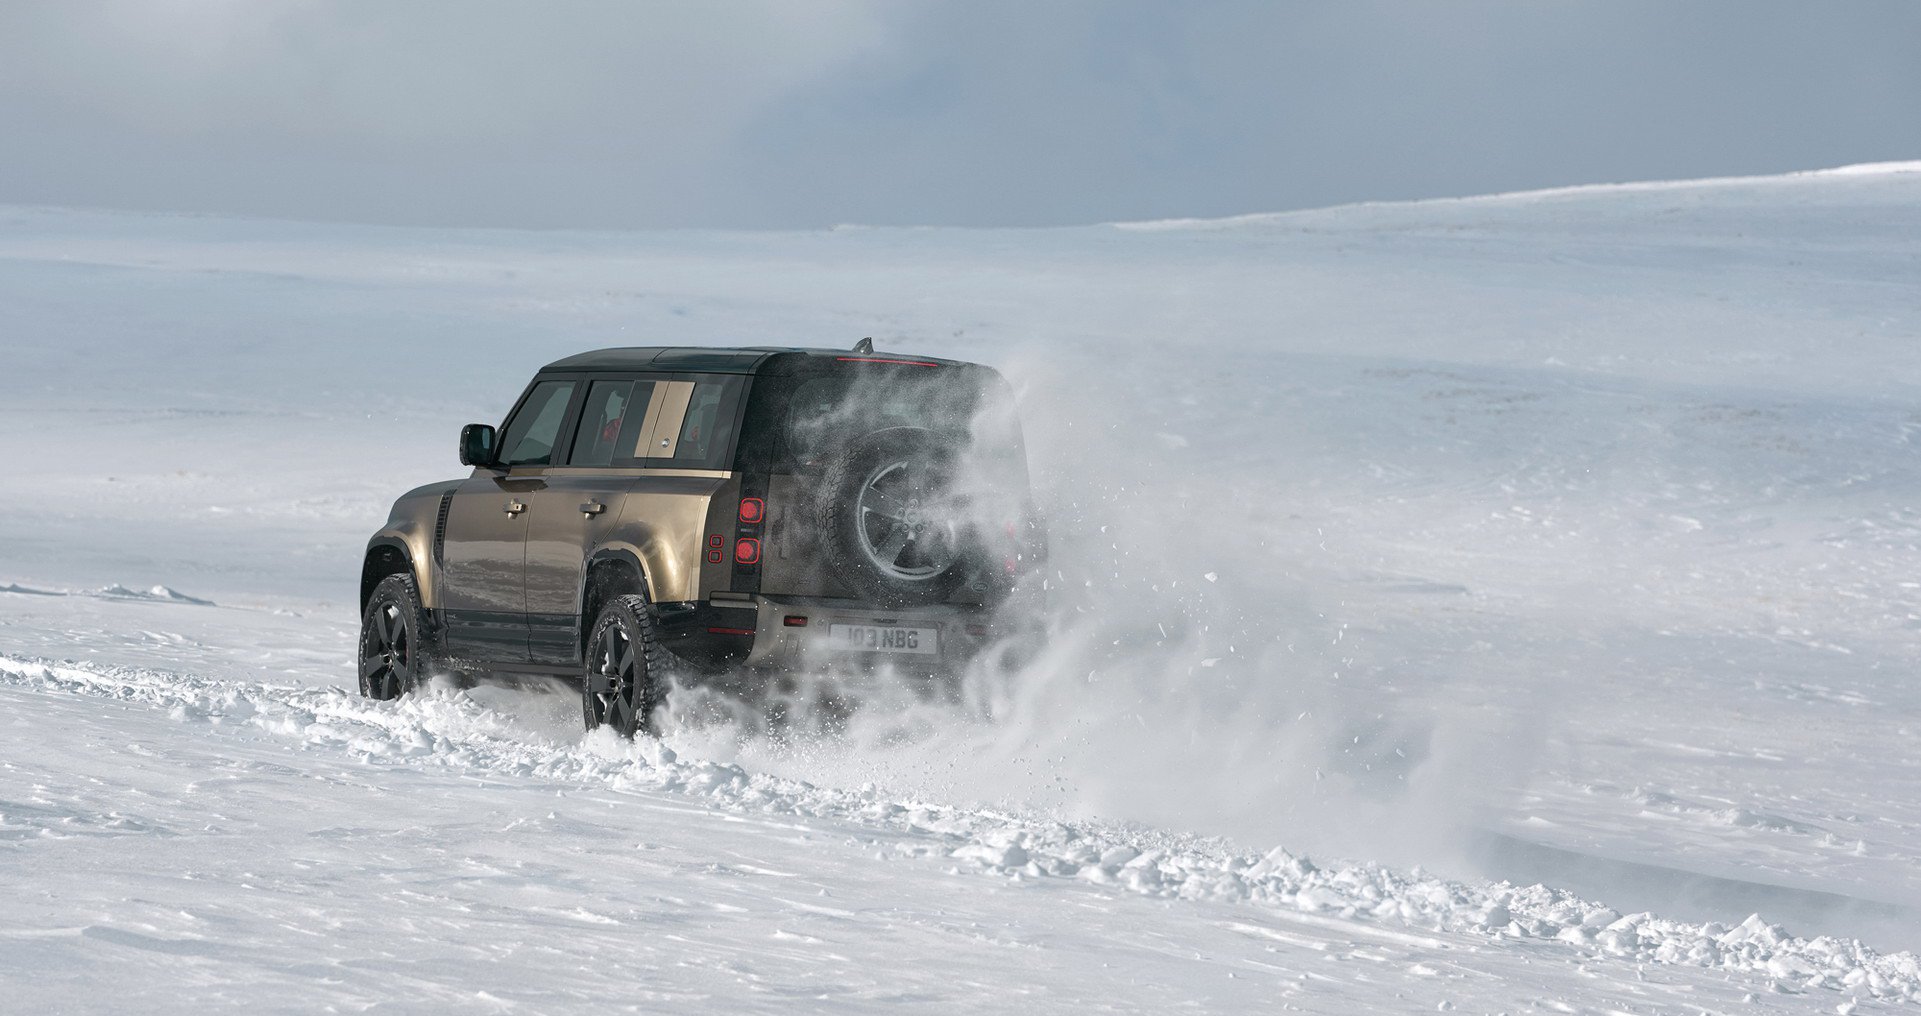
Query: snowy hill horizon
(1484, 603)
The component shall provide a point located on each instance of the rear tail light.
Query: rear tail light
(752, 510)
(746, 550)
(794, 621)
(730, 631)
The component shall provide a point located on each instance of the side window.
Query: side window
(691, 422)
(612, 416)
(701, 431)
(531, 437)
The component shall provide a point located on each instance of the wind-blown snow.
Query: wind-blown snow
(1405, 555)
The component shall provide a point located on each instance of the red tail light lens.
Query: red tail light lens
(794, 621)
(746, 550)
(752, 510)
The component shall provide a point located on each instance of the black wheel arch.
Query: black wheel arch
(610, 574)
(385, 556)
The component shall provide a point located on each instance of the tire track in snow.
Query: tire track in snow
(455, 731)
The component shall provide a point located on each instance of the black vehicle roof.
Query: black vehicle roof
(731, 360)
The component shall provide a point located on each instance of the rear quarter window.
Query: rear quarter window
(685, 421)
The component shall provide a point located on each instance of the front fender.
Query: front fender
(409, 531)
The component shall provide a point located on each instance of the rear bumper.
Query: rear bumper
(776, 631)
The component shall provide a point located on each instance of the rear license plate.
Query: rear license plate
(883, 638)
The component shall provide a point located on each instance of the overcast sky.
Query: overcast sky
(781, 113)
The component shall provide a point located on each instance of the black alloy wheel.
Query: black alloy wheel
(621, 686)
(393, 655)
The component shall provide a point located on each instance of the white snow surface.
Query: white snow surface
(1497, 605)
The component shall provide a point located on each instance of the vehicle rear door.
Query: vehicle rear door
(579, 502)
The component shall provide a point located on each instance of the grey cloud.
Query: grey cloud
(770, 113)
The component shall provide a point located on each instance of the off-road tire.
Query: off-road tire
(396, 653)
(624, 677)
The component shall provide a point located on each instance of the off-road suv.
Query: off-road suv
(650, 508)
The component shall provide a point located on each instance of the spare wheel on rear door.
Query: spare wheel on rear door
(894, 521)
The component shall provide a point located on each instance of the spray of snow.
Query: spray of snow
(450, 729)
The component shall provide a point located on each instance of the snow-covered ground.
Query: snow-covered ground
(1485, 604)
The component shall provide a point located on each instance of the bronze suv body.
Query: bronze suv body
(686, 477)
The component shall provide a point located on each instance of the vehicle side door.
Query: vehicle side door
(579, 503)
(483, 589)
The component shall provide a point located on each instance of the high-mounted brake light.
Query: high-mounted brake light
(746, 550)
(752, 510)
(883, 359)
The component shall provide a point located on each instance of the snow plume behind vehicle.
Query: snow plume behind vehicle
(903, 482)
(1183, 674)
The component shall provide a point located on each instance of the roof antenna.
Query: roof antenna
(865, 345)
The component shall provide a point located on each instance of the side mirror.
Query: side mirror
(477, 445)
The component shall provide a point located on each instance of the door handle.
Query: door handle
(592, 508)
(515, 507)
